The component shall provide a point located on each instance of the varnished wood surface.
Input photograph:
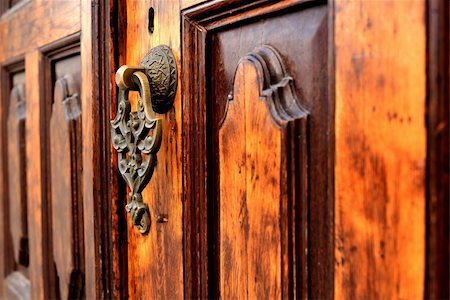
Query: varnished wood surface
(250, 193)
(155, 261)
(36, 24)
(387, 165)
(380, 149)
(438, 123)
(16, 166)
(209, 62)
(33, 67)
(95, 145)
(66, 170)
(29, 27)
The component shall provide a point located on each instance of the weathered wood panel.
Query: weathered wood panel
(216, 36)
(380, 149)
(15, 249)
(66, 171)
(18, 224)
(250, 194)
(36, 24)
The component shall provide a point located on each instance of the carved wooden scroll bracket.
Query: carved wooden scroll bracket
(136, 135)
(275, 84)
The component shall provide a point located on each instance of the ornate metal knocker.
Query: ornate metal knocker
(136, 135)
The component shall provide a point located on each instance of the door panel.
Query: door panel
(66, 167)
(17, 283)
(42, 254)
(250, 188)
(265, 129)
(17, 169)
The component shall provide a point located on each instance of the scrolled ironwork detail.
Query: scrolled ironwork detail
(137, 135)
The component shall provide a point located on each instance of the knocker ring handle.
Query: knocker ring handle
(137, 135)
(133, 78)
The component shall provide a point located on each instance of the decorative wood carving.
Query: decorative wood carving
(66, 196)
(275, 84)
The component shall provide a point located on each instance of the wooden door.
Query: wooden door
(303, 155)
(49, 231)
(265, 186)
(246, 147)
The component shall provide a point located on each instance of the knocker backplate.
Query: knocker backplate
(161, 68)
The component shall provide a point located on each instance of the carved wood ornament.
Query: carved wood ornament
(275, 84)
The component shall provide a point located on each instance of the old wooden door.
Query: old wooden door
(49, 102)
(244, 169)
(278, 171)
(290, 164)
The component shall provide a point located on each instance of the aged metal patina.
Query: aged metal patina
(136, 135)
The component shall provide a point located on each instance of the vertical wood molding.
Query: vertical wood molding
(2, 181)
(16, 251)
(95, 108)
(88, 94)
(35, 157)
(437, 232)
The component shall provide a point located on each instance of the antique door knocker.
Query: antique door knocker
(136, 135)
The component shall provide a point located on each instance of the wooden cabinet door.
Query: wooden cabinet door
(49, 234)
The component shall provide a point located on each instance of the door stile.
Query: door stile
(35, 182)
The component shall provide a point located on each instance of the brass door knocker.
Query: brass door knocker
(136, 135)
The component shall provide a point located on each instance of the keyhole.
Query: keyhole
(151, 20)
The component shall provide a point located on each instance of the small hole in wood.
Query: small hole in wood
(151, 20)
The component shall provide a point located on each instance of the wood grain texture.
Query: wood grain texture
(438, 124)
(155, 261)
(96, 180)
(209, 62)
(380, 149)
(34, 92)
(15, 251)
(250, 192)
(46, 21)
(29, 26)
